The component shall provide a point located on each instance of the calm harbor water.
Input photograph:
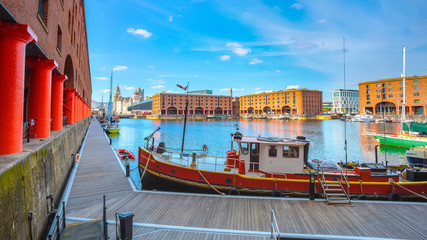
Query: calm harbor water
(327, 137)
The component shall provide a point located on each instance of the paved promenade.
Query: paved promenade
(160, 215)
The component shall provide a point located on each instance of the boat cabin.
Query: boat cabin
(272, 155)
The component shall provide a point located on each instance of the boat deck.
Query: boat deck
(161, 215)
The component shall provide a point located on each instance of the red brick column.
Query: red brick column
(57, 99)
(13, 38)
(39, 94)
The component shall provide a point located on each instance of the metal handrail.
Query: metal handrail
(58, 224)
(275, 232)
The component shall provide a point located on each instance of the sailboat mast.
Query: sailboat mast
(345, 122)
(111, 97)
(404, 90)
(185, 119)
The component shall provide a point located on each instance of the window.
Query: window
(367, 103)
(272, 151)
(290, 151)
(367, 86)
(401, 89)
(416, 94)
(244, 148)
(384, 96)
(415, 81)
(43, 7)
(378, 90)
(417, 101)
(389, 84)
(378, 96)
(390, 95)
(59, 40)
(254, 149)
(390, 89)
(401, 83)
(378, 85)
(416, 87)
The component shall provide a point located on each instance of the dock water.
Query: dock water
(163, 215)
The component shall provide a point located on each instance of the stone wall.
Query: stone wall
(26, 179)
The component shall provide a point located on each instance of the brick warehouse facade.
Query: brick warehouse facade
(292, 101)
(387, 95)
(199, 104)
(56, 79)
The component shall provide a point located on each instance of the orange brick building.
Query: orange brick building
(386, 95)
(292, 101)
(165, 103)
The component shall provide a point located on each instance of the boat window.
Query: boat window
(290, 151)
(254, 149)
(272, 151)
(244, 148)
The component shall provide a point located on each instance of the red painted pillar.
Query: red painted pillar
(75, 107)
(39, 94)
(57, 101)
(13, 38)
(69, 104)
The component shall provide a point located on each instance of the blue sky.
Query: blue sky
(251, 46)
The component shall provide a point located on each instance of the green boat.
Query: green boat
(406, 141)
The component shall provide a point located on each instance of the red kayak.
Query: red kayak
(125, 154)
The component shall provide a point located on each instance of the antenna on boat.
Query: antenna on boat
(345, 122)
(185, 117)
(402, 120)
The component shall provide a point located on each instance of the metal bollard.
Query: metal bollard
(127, 170)
(311, 186)
(111, 141)
(193, 161)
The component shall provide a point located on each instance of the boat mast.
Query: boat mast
(111, 97)
(402, 121)
(185, 118)
(345, 122)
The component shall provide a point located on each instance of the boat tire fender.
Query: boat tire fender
(393, 197)
(233, 191)
(276, 193)
(362, 197)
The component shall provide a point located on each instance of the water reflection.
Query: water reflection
(327, 137)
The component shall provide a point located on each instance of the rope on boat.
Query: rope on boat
(361, 187)
(145, 169)
(415, 193)
(221, 193)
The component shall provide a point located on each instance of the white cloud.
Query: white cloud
(158, 86)
(195, 75)
(233, 44)
(297, 6)
(101, 78)
(258, 88)
(151, 66)
(255, 61)
(119, 68)
(224, 57)
(234, 89)
(170, 18)
(321, 21)
(106, 90)
(238, 49)
(277, 70)
(140, 32)
(129, 88)
(166, 76)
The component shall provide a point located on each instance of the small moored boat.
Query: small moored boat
(125, 154)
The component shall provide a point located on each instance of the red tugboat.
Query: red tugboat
(271, 166)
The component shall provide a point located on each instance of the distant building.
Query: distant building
(291, 101)
(345, 101)
(121, 104)
(327, 105)
(165, 103)
(142, 108)
(386, 95)
(236, 105)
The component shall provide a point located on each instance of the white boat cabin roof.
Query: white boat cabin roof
(271, 141)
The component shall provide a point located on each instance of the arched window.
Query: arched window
(43, 11)
(59, 39)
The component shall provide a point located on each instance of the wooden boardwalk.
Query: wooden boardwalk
(160, 215)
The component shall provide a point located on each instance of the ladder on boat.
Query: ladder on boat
(335, 193)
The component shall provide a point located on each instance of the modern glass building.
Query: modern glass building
(345, 101)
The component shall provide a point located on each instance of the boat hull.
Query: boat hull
(397, 141)
(112, 130)
(161, 175)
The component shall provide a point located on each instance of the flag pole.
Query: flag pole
(185, 118)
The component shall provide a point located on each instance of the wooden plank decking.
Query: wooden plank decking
(99, 173)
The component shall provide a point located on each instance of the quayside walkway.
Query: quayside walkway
(161, 215)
